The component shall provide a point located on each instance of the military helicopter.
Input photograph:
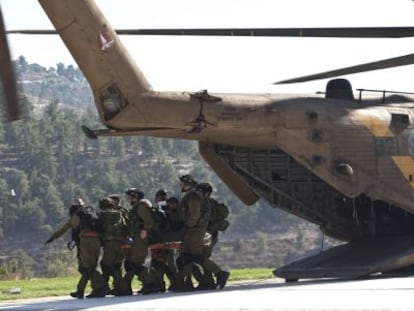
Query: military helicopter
(340, 161)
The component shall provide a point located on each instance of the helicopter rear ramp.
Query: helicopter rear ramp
(354, 260)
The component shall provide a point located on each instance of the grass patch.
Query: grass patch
(62, 286)
(251, 274)
(37, 287)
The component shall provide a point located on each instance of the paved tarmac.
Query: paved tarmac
(377, 293)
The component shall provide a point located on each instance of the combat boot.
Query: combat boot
(100, 292)
(94, 295)
(159, 287)
(205, 279)
(149, 288)
(81, 286)
(77, 294)
(178, 284)
(172, 277)
(162, 287)
(99, 288)
(222, 277)
(129, 276)
(206, 286)
(188, 285)
(184, 285)
(120, 286)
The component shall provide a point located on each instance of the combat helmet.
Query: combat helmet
(173, 200)
(161, 192)
(78, 202)
(204, 188)
(188, 179)
(114, 196)
(134, 192)
(106, 203)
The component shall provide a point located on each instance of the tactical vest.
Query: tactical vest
(160, 219)
(114, 225)
(204, 209)
(175, 220)
(205, 213)
(124, 211)
(88, 218)
(218, 217)
(136, 223)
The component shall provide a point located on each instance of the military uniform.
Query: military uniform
(140, 222)
(196, 215)
(125, 247)
(197, 241)
(163, 260)
(205, 278)
(113, 226)
(195, 227)
(88, 250)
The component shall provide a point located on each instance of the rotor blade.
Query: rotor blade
(33, 32)
(349, 32)
(7, 75)
(382, 64)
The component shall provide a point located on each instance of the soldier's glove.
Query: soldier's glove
(48, 241)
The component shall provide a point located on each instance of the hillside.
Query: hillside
(42, 85)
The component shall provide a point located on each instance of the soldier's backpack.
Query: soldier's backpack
(218, 219)
(113, 223)
(160, 218)
(135, 223)
(205, 213)
(88, 217)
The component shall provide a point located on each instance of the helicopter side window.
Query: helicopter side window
(399, 122)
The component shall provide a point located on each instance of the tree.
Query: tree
(60, 69)
(53, 205)
(22, 63)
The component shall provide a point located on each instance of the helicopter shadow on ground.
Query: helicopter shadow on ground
(264, 284)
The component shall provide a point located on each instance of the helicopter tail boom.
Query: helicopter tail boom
(106, 64)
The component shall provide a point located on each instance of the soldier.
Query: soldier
(196, 214)
(161, 199)
(163, 260)
(114, 230)
(139, 227)
(125, 246)
(175, 219)
(175, 233)
(117, 204)
(82, 221)
(217, 222)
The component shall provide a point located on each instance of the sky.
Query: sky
(242, 65)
